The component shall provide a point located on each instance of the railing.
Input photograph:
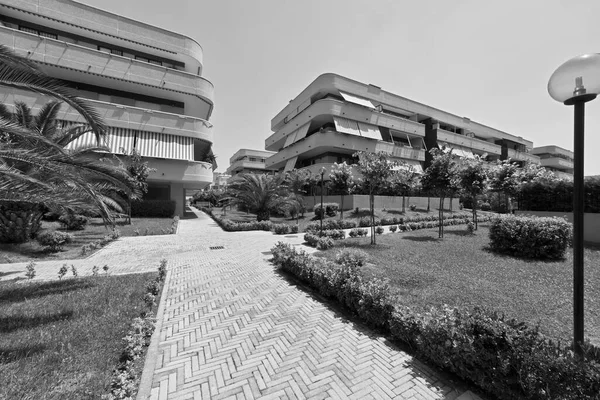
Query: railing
(401, 151)
(56, 52)
(521, 156)
(468, 142)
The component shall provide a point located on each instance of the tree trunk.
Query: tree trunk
(19, 222)
(129, 210)
(403, 204)
(372, 201)
(428, 203)
(441, 218)
(451, 198)
(475, 211)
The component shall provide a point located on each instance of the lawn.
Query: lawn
(95, 230)
(460, 271)
(62, 339)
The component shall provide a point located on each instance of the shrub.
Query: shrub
(294, 229)
(331, 210)
(363, 232)
(353, 257)
(470, 227)
(281, 229)
(387, 221)
(54, 240)
(312, 239)
(366, 221)
(412, 207)
(325, 243)
(353, 232)
(62, 271)
(485, 206)
(73, 222)
(153, 208)
(330, 224)
(379, 230)
(30, 267)
(528, 237)
(393, 228)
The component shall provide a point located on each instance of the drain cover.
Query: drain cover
(217, 247)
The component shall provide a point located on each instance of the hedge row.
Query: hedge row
(366, 221)
(153, 208)
(558, 195)
(229, 226)
(504, 357)
(531, 237)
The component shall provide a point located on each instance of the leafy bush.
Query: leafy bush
(294, 229)
(312, 239)
(379, 230)
(366, 221)
(485, 206)
(353, 257)
(503, 357)
(363, 232)
(412, 207)
(325, 243)
(331, 210)
(530, 237)
(153, 208)
(73, 222)
(281, 229)
(353, 232)
(330, 224)
(54, 240)
(393, 228)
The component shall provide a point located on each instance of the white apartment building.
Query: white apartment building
(335, 116)
(556, 159)
(146, 82)
(248, 161)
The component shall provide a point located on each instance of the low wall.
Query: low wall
(388, 202)
(591, 222)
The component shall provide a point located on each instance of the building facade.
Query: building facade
(335, 116)
(556, 159)
(249, 161)
(220, 181)
(145, 82)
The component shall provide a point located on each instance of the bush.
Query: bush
(379, 230)
(281, 229)
(393, 228)
(330, 224)
(54, 240)
(485, 206)
(529, 237)
(313, 238)
(73, 222)
(331, 210)
(353, 232)
(366, 221)
(293, 228)
(325, 243)
(352, 257)
(153, 208)
(412, 207)
(363, 232)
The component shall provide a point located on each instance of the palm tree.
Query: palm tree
(37, 172)
(259, 193)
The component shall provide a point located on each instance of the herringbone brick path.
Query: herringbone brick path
(233, 328)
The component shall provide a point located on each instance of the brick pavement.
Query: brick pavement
(231, 327)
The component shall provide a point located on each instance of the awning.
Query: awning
(296, 135)
(412, 164)
(369, 131)
(290, 164)
(357, 100)
(345, 125)
(87, 139)
(120, 140)
(160, 145)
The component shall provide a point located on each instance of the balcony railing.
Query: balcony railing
(468, 142)
(401, 151)
(556, 162)
(121, 116)
(68, 55)
(521, 156)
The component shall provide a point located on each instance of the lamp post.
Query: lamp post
(322, 211)
(575, 83)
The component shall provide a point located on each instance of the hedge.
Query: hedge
(530, 237)
(502, 356)
(558, 195)
(153, 208)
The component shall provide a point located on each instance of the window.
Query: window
(28, 30)
(155, 62)
(104, 49)
(142, 59)
(48, 35)
(117, 52)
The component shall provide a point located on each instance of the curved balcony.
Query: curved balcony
(468, 142)
(193, 174)
(104, 26)
(347, 110)
(120, 116)
(521, 156)
(556, 162)
(84, 59)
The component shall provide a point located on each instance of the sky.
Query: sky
(489, 60)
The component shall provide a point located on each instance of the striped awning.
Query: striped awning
(356, 100)
(369, 131)
(296, 135)
(120, 140)
(345, 125)
(160, 145)
(290, 164)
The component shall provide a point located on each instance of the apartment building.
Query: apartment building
(146, 82)
(556, 159)
(335, 116)
(248, 161)
(220, 181)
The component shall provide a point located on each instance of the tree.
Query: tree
(341, 180)
(441, 178)
(37, 171)
(139, 171)
(375, 169)
(259, 193)
(296, 181)
(403, 180)
(473, 180)
(505, 178)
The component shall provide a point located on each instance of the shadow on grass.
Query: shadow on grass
(421, 238)
(18, 322)
(3, 274)
(8, 355)
(22, 292)
(500, 254)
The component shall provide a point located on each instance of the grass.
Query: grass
(95, 230)
(459, 270)
(309, 216)
(62, 339)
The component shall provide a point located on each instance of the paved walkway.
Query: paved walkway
(231, 327)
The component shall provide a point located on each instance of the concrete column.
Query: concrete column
(178, 194)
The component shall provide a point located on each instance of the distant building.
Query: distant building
(219, 181)
(146, 83)
(248, 160)
(556, 159)
(335, 116)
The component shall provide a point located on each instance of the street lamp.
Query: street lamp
(575, 83)
(322, 211)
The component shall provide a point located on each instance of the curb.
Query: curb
(145, 386)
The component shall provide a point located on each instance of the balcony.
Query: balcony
(87, 60)
(401, 151)
(120, 116)
(193, 174)
(243, 164)
(557, 163)
(480, 146)
(522, 156)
